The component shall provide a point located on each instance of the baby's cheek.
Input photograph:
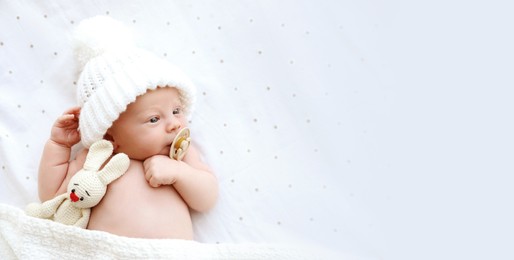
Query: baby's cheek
(148, 151)
(134, 154)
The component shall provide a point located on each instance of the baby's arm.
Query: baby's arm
(191, 178)
(55, 160)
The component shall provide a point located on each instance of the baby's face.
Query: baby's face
(149, 125)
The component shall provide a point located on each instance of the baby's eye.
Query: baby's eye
(176, 111)
(154, 119)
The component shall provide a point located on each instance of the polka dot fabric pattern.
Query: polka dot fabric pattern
(253, 113)
(370, 127)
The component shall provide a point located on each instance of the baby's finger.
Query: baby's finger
(72, 110)
(66, 117)
(148, 174)
(154, 183)
(75, 111)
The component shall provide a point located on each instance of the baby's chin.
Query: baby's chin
(143, 156)
(164, 151)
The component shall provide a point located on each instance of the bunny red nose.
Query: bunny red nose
(74, 197)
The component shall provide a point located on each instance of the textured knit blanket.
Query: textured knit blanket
(24, 237)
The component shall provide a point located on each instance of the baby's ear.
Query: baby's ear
(116, 167)
(98, 153)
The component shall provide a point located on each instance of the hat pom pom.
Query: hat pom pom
(99, 34)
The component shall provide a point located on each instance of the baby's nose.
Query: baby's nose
(173, 125)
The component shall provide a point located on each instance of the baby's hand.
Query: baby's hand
(65, 129)
(161, 170)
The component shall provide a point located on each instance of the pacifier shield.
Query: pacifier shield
(180, 144)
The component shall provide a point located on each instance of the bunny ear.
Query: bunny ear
(98, 153)
(116, 167)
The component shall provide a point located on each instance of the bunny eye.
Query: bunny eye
(81, 198)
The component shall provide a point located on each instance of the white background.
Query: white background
(382, 128)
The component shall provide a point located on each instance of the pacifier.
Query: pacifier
(180, 144)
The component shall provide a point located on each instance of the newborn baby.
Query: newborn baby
(140, 103)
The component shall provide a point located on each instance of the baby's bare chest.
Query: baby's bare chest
(130, 201)
(133, 191)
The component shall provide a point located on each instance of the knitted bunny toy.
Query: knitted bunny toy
(86, 188)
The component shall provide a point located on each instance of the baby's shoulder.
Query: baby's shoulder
(194, 158)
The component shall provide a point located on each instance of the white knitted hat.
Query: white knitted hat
(113, 72)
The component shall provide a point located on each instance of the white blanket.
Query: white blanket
(24, 237)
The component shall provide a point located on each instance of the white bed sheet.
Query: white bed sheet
(259, 101)
(380, 129)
